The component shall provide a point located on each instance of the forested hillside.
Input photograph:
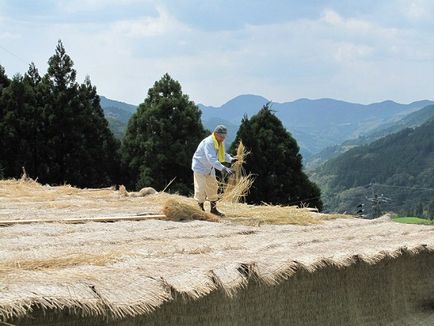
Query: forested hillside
(411, 120)
(399, 167)
(117, 114)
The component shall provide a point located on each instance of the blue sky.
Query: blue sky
(359, 51)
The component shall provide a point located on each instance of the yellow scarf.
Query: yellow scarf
(220, 148)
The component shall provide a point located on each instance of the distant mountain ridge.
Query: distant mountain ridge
(315, 124)
(106, 102)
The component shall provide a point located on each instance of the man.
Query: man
(209, 156)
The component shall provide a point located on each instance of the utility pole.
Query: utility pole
(376, 202)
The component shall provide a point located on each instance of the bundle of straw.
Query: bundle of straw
(238, 184)
(179, 211)
(123, 191)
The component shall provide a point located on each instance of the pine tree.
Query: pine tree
(81, 149)
(55, 128)
(20, 115)
(17, 127)
(275, 162)
(99, 161)
(4, 80)
(35, 126)
(61, 129)
(9, 125)
(161, 138)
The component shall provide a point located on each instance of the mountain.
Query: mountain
(316, 124)
(411, 120)
(117, 114)
(399, 166)
(234, 110)
(117, 107)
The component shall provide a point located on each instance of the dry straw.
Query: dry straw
(238, 184)
(177, 273)
(141, 193)
(58, 262)
(130, 269)
(178, 211)
(31, 200)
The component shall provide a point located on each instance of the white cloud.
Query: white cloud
(75, 6)
(149, 26)
(348, 52)
(418, 10)
(331, 17)
(332, 55)
(356, 27)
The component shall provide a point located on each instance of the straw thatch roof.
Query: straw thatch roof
(129, 268)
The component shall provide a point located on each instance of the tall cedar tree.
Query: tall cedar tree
(56, 129)
(83, 151)
(35, 130)
(275, 162)
(99, 164)
(161, 138)
(4, 82)
(20, 115)
(63, 122)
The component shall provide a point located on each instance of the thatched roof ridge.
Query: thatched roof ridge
(131, 268)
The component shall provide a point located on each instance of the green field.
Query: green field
(413, 220)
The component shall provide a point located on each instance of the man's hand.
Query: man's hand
(234, 159)
(227, 170)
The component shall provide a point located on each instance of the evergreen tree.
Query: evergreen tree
(275, 162)
(4, 80)
(35, 123)
(62, 132)
(17, 127)
(161, 138)
(97, 160)
(83, 150)
(56, 128)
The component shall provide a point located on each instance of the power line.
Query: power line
(377, 200)
(402, 187)
(12, 54)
